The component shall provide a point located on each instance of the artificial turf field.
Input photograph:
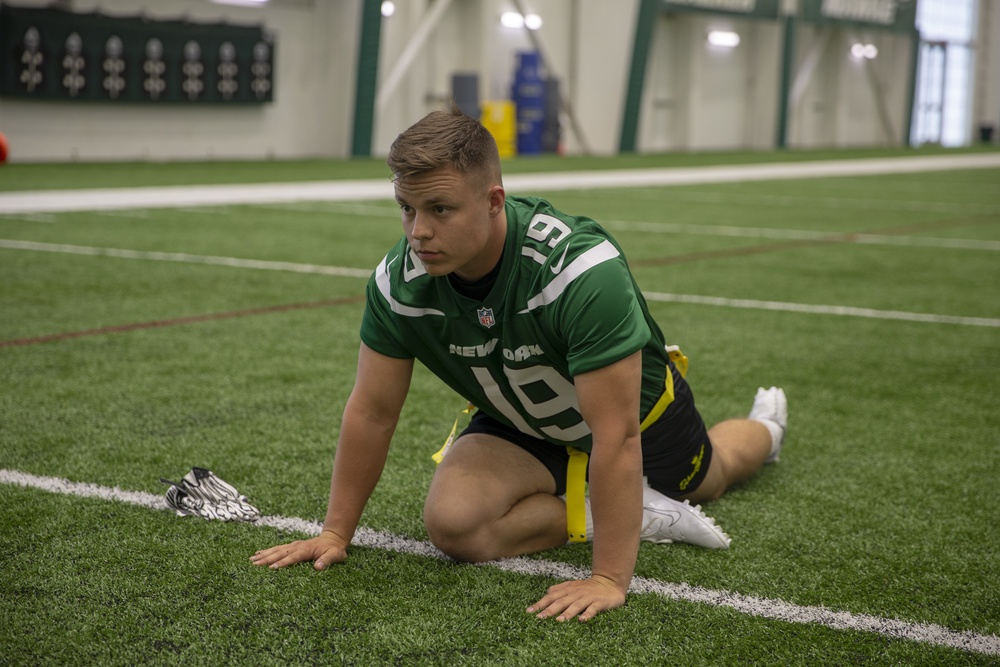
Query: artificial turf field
(219, 336)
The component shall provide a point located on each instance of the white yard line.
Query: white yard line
(381, 189)
(191, 196)
(127, 214)
(328, 208)
(927, 633)
(347, 272)
(803, 235)
(846, 311)
(810, 202)
(46, 218)
(615, 225)
(184, 257)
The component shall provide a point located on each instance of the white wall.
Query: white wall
(699, 97)
(603, 55)
(315, 66)
(457, 44)
(588, 46)
(695, 98)
(839, 100)
(703, 97)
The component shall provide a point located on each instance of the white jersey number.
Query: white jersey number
(564, 398)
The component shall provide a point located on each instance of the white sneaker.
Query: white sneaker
(770, 407)
(665, 520)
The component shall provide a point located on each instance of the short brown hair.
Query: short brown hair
(443, 138)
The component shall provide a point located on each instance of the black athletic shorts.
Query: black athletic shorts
(676, 451)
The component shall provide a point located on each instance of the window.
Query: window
(944, 72)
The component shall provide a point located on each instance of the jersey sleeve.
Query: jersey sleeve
(602, 319)
(379, 326)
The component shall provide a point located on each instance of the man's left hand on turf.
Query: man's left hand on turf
(585, 598)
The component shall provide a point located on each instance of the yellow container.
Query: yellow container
(500, 118)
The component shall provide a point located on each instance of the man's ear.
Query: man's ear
(497, 198)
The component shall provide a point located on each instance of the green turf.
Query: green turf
(884, 502)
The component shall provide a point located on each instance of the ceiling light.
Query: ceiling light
(532, 21)
(388, 8)
(512, 20)
(518, 21)
(241, 3)
(860, 51)
(724, 38)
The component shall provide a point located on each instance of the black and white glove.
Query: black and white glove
(203, 493)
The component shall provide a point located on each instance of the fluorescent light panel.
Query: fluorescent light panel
(724, 38)
(241, 3)
(517, 21)
(860, 51)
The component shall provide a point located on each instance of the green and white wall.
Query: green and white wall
(673, 93)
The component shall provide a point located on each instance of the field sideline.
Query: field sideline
(150, 328)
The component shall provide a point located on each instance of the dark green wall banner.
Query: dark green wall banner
(765, 9)
(58, 55)
(898, 15)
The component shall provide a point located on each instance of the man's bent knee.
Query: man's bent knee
(460, 533)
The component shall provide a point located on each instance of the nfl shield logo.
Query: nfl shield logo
(486, 317)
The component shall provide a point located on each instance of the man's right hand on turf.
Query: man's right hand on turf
(326, 549)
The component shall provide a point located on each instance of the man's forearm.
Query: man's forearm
(361, 454)
(616, 504)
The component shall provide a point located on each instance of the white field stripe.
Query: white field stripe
(925, 242)
(382, 189)
(30, 217)
(803, 235)
(846, 311)
(200, 210)
(192, 196)
(779, 610)
(329, 208)
(744, 199)
(637, 178)
(187, 258)
(128, 214)
(345, 272)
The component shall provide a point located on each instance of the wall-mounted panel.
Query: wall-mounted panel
(50, 54)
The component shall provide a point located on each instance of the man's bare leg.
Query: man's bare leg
(741, 446)
(491, 499)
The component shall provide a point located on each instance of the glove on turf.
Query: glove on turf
(203, 493)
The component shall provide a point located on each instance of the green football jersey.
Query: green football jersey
(564, 303)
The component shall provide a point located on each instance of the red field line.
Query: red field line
(123, 328)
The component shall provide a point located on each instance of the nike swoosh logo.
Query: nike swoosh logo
(672, 515)
(558, 265)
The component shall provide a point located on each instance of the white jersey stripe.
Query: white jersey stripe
(534, 254)
(588, 260)
(382, 281)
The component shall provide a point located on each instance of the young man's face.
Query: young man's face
(454, 223)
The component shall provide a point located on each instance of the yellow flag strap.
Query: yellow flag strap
(438, 456)
(667, 397)
(576, 472)
(576, 493)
